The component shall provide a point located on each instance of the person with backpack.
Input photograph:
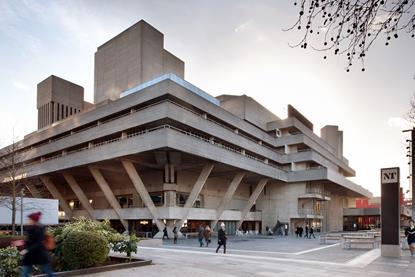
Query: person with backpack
(207, 233)
(222, 238)
(36, 244)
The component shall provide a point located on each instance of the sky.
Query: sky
(232, 47)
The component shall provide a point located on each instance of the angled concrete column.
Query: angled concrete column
(251, 201)
(224, 204)
(102, 183)
(34, 191)
(197, 188)
(142, 191)
(79, 193)
(57, 195)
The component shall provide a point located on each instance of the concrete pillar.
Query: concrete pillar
(57, 195)
(142, 191)
(254, 196)
(197, 188)
(79, 193)
(102, 183)
(224, 204)
(34, 191)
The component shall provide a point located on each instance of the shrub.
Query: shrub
(9, 261)
(83, 249)
(128, 245)
(100, 229)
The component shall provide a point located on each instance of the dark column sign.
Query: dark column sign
(390, 211)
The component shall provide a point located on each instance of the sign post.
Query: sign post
(390, 212)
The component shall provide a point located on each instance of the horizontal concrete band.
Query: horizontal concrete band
(161, 89)
(173, 139)
(169, 213)
(169, 110)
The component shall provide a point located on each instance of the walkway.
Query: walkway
(266, 257)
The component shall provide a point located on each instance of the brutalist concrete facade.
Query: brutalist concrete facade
(157, 150)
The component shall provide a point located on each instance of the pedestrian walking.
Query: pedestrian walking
(301, 231)
(175, 235)
(297, 231)
(306, 231)
(200, 235)
(410, 236)
(35, 252)
(165, 234)
(207, 234)
(222, 238)
(311, 232)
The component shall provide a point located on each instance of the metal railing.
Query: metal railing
(309, 211)
(320, 191)
(146, 131)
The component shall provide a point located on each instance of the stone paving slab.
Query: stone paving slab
(188, 260)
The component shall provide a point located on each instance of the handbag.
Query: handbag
(49, 242)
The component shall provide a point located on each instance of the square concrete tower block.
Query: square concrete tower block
(130, 59)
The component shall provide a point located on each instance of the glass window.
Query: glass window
(125, 201)
(181, 198)
(158, 198)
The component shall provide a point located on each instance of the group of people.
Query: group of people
(204, 236)
(309, 232)
(175, 234)
(204, 233)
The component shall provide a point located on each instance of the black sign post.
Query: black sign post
(390, 212)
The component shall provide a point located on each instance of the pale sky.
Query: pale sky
(234, 47)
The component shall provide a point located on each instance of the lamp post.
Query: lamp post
(21, 211)
(411, 155)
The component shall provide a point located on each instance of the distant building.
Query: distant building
(155, 150)
(364, 214)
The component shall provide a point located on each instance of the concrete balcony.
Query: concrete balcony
(308, 213)
(316, 194)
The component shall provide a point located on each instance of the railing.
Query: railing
(165, 126)
(317, 191)
(309, 211)
(132, 111)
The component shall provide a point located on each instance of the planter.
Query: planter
(114, 263)
(6, 241)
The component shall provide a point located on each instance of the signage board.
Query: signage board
(389, 175)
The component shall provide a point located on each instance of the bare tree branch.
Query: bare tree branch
(350, 27)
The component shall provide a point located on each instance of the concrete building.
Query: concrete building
(156, 150)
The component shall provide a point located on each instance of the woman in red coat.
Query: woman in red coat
(35, 252)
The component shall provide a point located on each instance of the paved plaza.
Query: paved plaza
(275, 256)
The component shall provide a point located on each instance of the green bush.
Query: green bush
(102, 229)
(9, 262)
(83, 249)
(128, 245)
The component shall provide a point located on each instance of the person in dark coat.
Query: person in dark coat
(301, 231)
(200, 232)
(222, 238)
(306, 231)
(311, 232)
(35, 252)
(165, 234)
(410, 236)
